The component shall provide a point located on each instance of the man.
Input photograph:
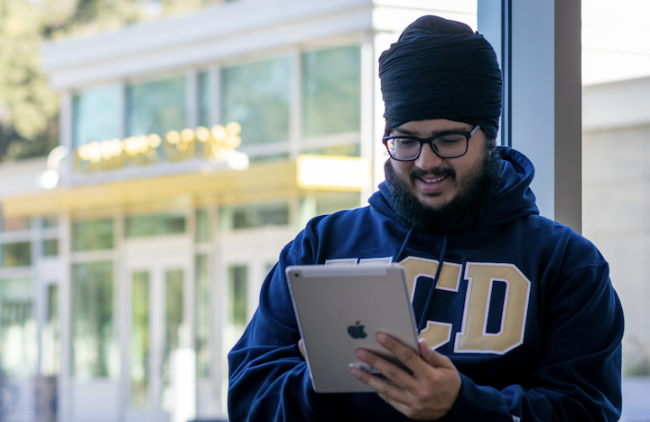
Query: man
(518, 319)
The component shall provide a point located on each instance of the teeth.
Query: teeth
(433, 180)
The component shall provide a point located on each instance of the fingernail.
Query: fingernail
(356, 372)
(361, 354)
(381, 339)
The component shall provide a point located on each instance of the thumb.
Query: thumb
(423, 348)
(301, 346)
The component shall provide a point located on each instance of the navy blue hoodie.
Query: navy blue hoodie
(522, 305)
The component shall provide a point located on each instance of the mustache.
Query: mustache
(418, 173)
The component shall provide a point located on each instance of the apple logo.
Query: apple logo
(356, 331)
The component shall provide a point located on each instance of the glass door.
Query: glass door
(156, 327)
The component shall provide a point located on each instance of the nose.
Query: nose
(428, 159)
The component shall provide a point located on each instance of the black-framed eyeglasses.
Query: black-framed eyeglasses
(445, 145)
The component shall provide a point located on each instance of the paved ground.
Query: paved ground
(636, 399)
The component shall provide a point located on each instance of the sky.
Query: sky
(615, 40)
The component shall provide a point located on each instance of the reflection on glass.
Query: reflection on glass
(202, 316)
(96, 115)
(203, 87)
(50, 247)
(92, 235)
(14, 224)
(268, 267)
(92, 319)
(202, 227)
(236, 319)
(331, 91)
(17, 254)
(140, 339)
(260, 215)
(155, 107)
(18, 347)
(238, 289)
(270, 157)
(51, 360)
(345, 150)
(256, 95)
(154, 225)
(327, 204)
(49, 221)
(173, 323)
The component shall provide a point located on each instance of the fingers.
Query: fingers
(386, 391)
(409, 357)
(428, 393)
(424, 348)
(396, 375)
(439, 360)
(301, 346)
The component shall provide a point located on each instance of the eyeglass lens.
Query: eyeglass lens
(446, 146)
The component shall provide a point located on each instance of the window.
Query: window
(49, 221)
(155, 107)
(202, 226)
(18, 346)
(154, 225)
(96, 115)
(92, 235)
(173, 325)
(260, 215)
(238, 288)
(257, 96)
(17, 254)
(140, 339)
(203, 87)
(50, 247)
(202, 316)
(13, 224)
(93, 346)
(51, 343)
(328, 204)
(331, 91)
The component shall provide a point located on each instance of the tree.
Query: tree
(28, 107)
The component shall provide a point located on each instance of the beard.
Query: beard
(469, 205)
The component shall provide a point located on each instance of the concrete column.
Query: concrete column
(539, 47)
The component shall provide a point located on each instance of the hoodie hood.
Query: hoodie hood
(512, 199)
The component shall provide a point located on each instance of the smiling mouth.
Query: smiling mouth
(436, 180)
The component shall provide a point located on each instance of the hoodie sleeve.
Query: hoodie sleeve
(577, 374)
(268, 378)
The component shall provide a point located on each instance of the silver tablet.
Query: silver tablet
(340, 309)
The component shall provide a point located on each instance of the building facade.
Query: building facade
(192, 150)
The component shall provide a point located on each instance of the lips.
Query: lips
(434, 180)
(431, 174)
(431, 186)
(431, 182)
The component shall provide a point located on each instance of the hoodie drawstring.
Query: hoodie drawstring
(423, 316)
(397, 257)
(443, 250)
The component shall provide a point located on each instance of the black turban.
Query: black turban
(440, 69)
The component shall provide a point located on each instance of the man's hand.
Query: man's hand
(301, 346)
(428, 393)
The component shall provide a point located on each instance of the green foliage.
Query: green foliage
(28, 107)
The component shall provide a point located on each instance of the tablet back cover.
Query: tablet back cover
(340, 309)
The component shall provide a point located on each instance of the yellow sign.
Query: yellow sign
(332, 173)
(218, 143)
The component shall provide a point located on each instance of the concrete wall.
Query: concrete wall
(616, 200)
